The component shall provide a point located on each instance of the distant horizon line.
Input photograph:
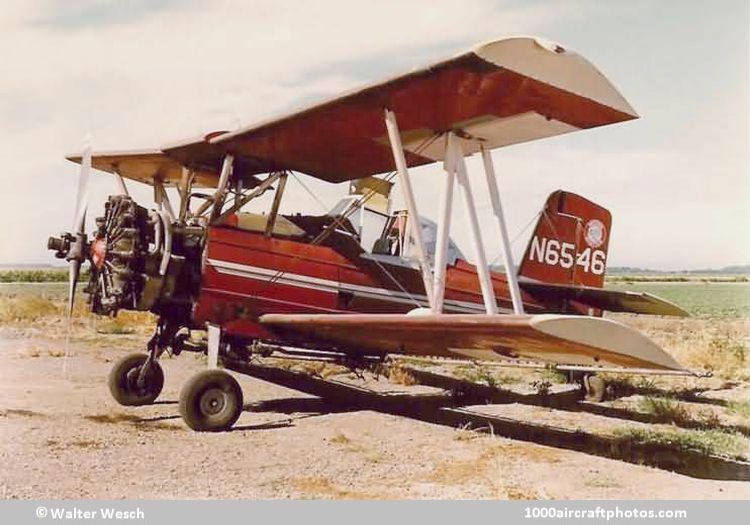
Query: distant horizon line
(739, 268)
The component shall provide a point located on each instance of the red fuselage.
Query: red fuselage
(247, 274)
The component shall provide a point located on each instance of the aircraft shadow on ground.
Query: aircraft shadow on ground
(460, 404)
(459, 407)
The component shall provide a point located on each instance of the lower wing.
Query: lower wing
(560, 339)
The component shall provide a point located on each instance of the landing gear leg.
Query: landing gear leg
(212, 399)
(137, 379)
(162, 338)
(214, 342)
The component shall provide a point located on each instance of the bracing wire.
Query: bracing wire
(322, 204)
(518, 235)
(353, 206)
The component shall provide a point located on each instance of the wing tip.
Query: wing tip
(608, 335)
(506, 52)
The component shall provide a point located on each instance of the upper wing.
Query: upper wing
(558, 339)
(145, 165)
(610, 300)
(166, 164)
(504, 92)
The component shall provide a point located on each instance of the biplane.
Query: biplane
(364, 280)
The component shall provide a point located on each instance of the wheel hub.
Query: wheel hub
(213, 401)
(132, 381)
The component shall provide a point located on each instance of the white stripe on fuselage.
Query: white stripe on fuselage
(326, 285)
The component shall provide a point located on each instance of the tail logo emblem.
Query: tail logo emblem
(595, 233)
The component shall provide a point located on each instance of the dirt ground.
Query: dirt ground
(62, 436)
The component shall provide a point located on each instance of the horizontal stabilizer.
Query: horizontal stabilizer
(610, 300)
(559, 339)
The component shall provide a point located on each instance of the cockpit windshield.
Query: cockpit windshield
(368, 223)
(388, 235)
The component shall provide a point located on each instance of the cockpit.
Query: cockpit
(386, 235)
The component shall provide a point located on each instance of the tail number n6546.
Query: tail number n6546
(556, 253)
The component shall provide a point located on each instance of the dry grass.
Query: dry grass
(401, 376)
(88, 444)
(718, 345)
(488, 469)
(39, 310)
(602, 481)
(120, 325)
(27, 308)
(319, 487)
(340, 439)
(20, 412)
(140, 423)
(414, 362)
(320, 369)
(483, 375)
(665, 408)
(346, 443)
(466, 433)
(553, 376)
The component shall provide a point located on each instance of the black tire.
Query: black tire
(211, 401)
(123, 381)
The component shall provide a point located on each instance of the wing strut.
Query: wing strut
(411, 205)
(455, 168)
(185, 186)
(121, 183)
(271, 221)
(458, 165)
(443, 239)
(161, 198)
(497, 208)
(216, 201)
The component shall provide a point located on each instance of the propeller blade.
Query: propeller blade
(79, 220)
(74, 267)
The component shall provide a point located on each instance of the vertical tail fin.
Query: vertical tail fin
(569, 244)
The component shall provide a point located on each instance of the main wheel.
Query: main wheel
(211, 401)
(123, 381)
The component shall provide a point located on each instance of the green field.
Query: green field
(705, 299)
(51, 290)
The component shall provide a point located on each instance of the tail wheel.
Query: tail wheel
(596, 388)
(211, 401)
(124, 385)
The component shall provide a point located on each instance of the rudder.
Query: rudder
(570, 242)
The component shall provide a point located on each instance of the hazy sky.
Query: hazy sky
(142, 73)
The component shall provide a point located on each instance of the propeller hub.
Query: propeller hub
(60, 245)
(139, 260)
(77, 250)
